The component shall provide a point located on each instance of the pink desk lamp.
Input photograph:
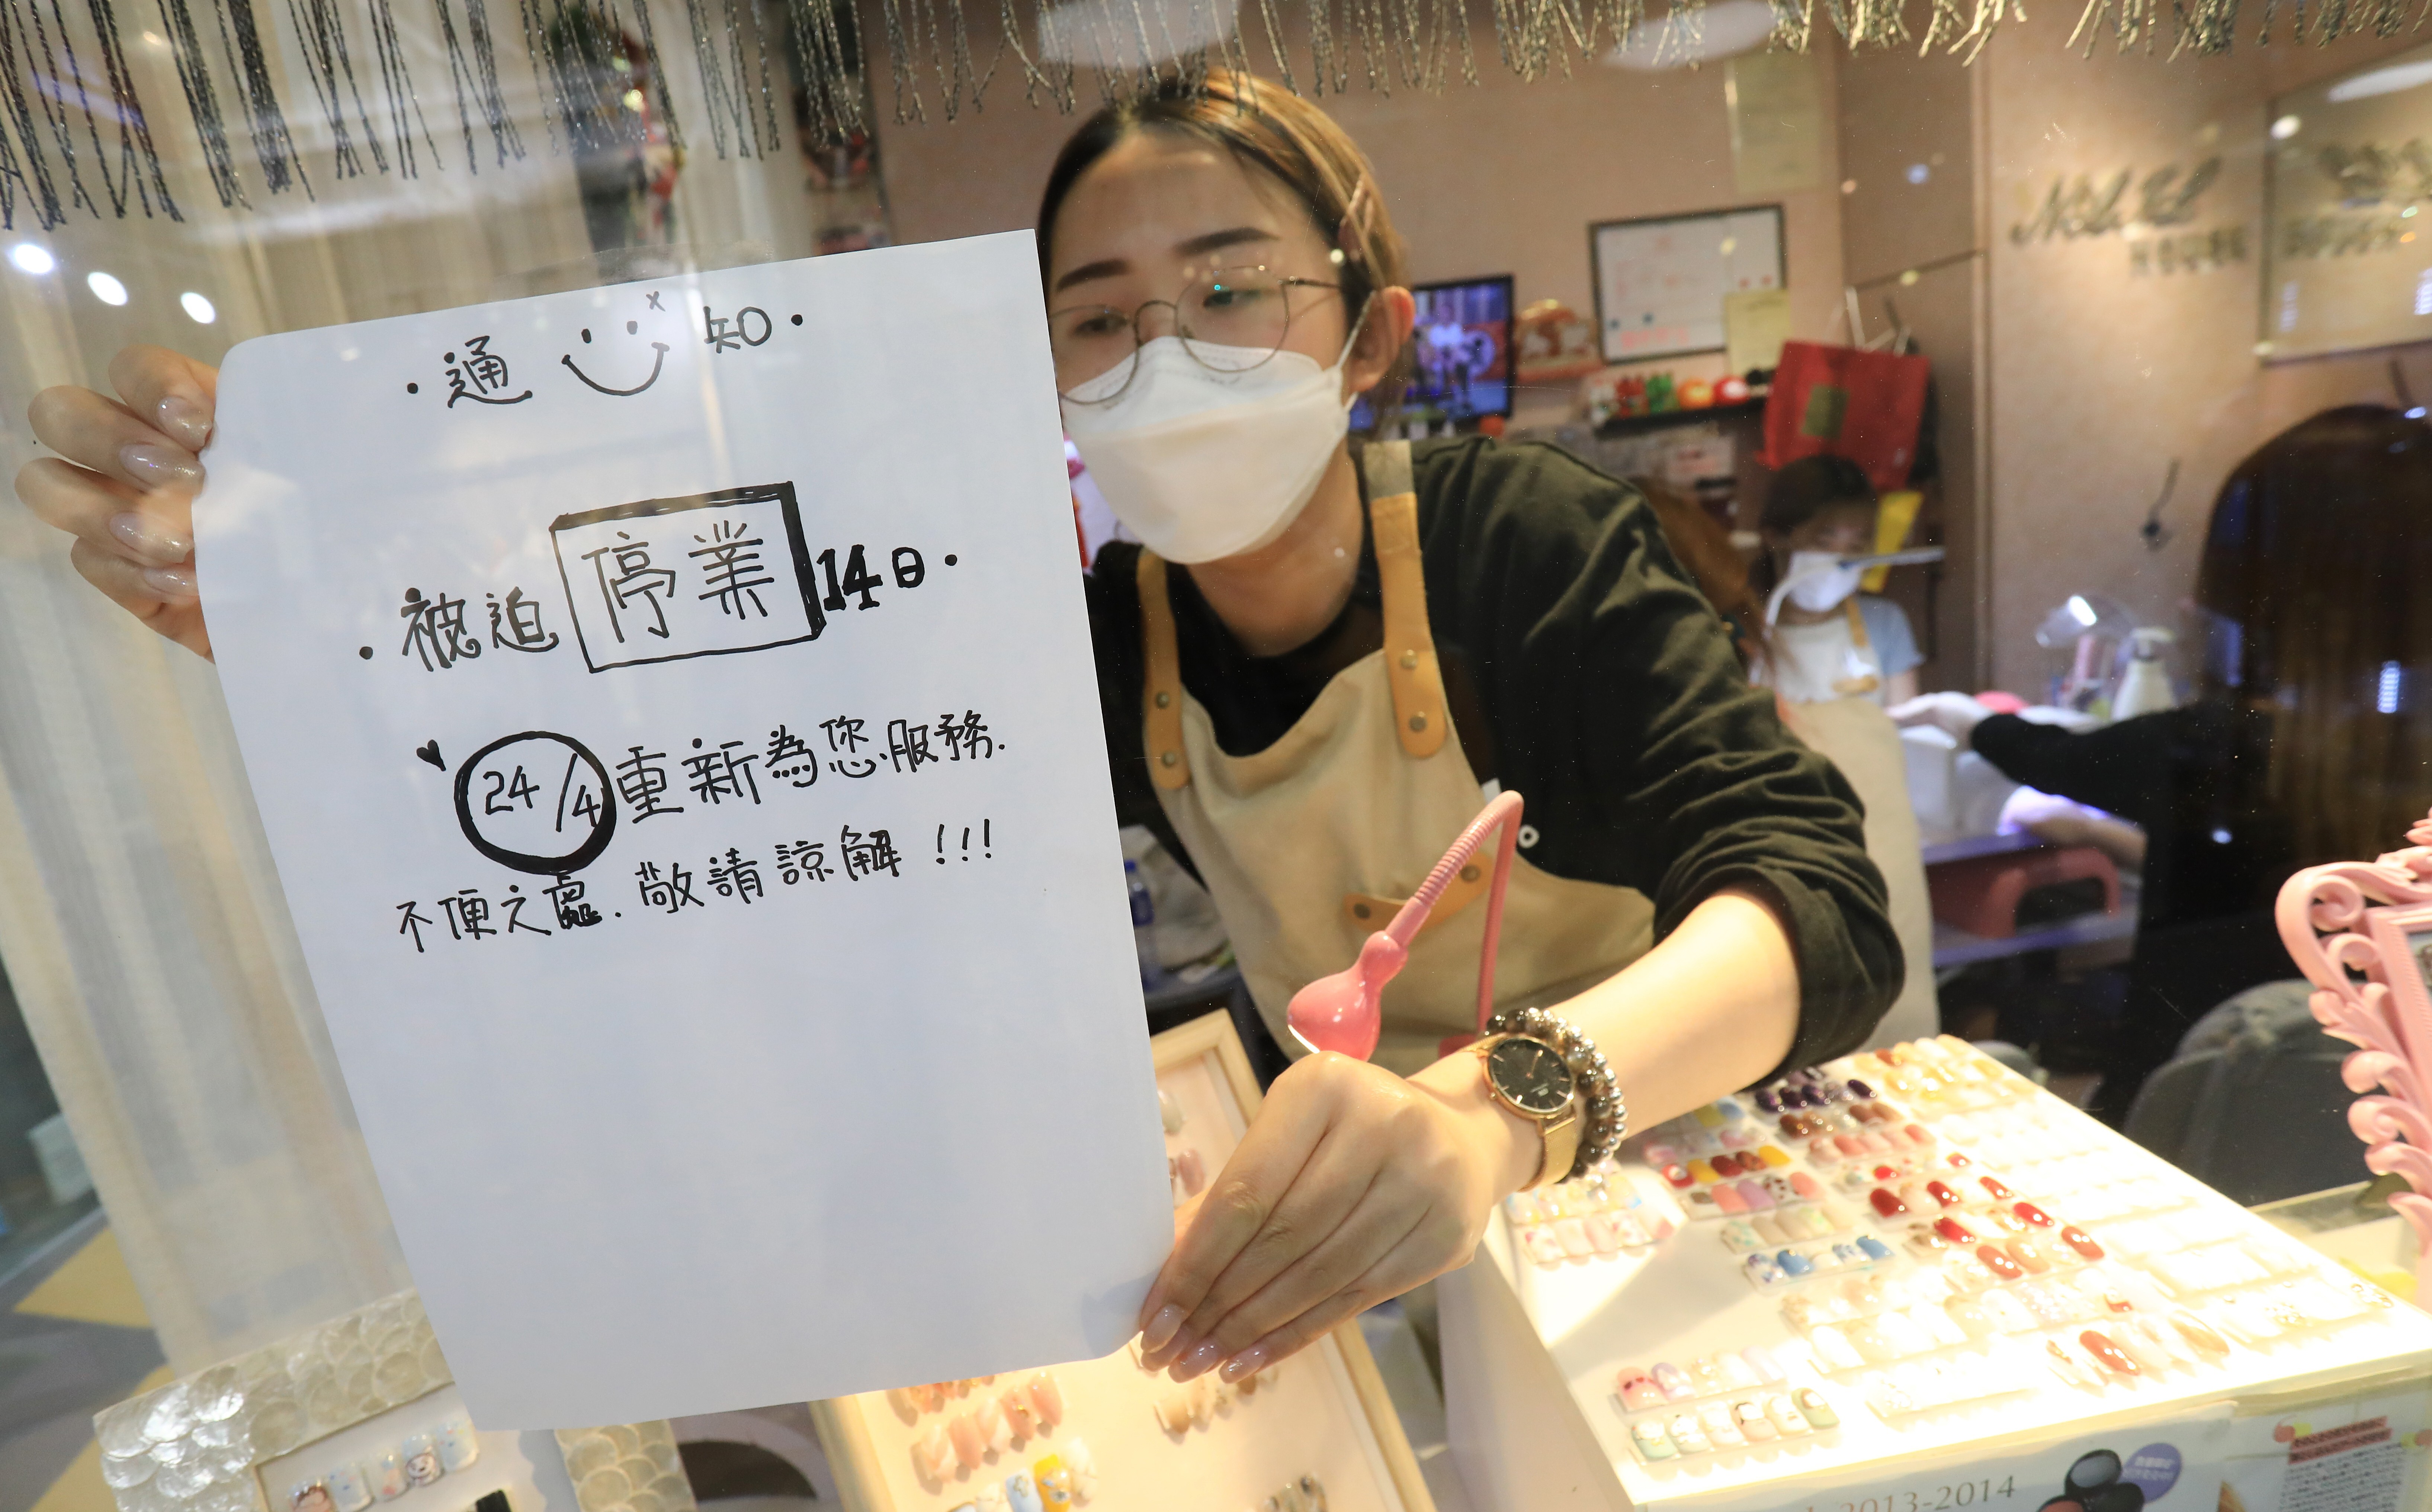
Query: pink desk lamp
(1344, 1012)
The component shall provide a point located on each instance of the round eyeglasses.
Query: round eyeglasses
(1230, 320)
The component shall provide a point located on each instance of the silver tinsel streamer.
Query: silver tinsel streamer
(1129, 47)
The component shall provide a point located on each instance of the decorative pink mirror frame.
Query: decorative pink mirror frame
(2361, 931)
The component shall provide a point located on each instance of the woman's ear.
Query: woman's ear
(1391, 315)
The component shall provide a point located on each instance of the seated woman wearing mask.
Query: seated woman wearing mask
(1825, 639)
(1308, 674)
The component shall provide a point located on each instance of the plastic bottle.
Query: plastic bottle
(2145, 686)
(1152, 974)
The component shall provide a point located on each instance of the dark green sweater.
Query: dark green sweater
(1585, 672)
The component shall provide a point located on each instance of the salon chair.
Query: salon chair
(2252, 1105)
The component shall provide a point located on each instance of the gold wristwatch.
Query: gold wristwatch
(1531, 1079)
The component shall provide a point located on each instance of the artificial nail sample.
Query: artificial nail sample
(350, 1489)
(1046, 1398)
(1952, 1230)
(1701, 1170)
(1637, 1391)
(1168, 1111)
(1728, 1199)
(421, 1460)
(1191, 1170)
(1749, 1418)
(1679, 1177)
(963, 1436)
(1716, 1419)
(2032, 1213)
(1993, 1185)
(2107, 1354)
(1813, 1407)
(388, 1476)
(995, 1431)
(1673, 1381)
(932, 1452)
(1766, 1366)
(1686, 1434)
(1999, 1264)
(1887, 1203)
(2078, 1240)
(1872, 1248)
(1650, 1441)
(1020, 1421)
(2029, 1257)
(1173, 1412)
(1942, 1193)
(1773, 1155)
(1021, 1493)
(2193, 1330)
(1784, 1416)
(1806, 1185)
(458, 1445)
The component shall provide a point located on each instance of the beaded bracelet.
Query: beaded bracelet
(1604, 1119)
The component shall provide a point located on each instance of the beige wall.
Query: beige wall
(1505, 178)
(2099, 378)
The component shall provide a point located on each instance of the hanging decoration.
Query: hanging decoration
(585, 62)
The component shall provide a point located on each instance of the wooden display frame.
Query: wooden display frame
(867, 1440)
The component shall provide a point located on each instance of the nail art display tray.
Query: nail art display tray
(1909, 1260)
(362, 1414)
(1315, 1433)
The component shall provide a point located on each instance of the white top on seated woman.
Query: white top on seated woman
(1822, 638)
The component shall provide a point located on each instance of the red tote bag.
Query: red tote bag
(1846, 402)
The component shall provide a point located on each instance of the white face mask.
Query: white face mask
(1202, 464)
(1816, 581)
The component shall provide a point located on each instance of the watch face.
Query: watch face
(1530, 1075)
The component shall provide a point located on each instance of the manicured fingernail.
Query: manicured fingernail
(171, 582)
(148, 464)
(1246, 1362)
(145, 538)
(1196, 1362)
(183, 419)
(1162, 1328)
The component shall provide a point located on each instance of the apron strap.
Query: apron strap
(1169, 763)
(1857, 625)
(1410, 668)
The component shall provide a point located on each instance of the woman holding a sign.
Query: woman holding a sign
(1315, 669)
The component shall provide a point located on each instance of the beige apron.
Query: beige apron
(1854, 735)
(1310, 846)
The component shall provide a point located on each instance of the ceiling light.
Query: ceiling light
(105, 288)
(199, 308)
(32, 258)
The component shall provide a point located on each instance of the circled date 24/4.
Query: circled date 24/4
(538, 802)
(1945, 1498)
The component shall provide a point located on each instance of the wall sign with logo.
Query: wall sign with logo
(2348, 193)
(2159, 214)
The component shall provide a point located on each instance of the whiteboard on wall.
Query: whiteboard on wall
(1661, 282)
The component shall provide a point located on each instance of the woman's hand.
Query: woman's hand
(125, 489)
(1352, 1186)
(1955, 715)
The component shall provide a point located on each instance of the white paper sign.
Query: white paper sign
(672, 712)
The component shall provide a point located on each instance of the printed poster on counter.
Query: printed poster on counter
(2171, 1464)
(672, 708)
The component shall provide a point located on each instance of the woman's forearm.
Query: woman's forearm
(1705, 1013)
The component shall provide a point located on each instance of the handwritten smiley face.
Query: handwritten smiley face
(633, 328)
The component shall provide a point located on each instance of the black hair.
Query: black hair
(1808, 487)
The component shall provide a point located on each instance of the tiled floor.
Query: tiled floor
(74, 1338)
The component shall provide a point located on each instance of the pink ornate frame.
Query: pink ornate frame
(2368, 965)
